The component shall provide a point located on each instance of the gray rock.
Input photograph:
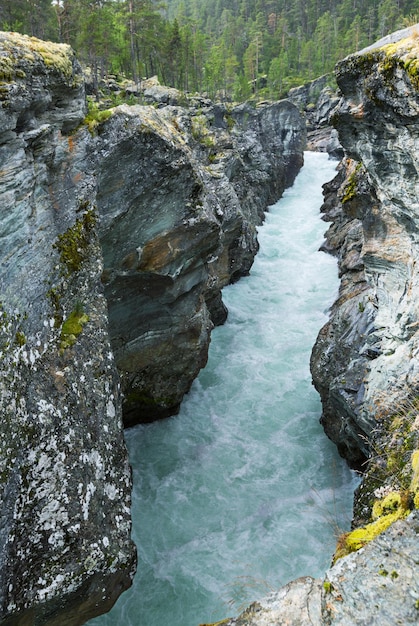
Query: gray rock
(296, 604)
(379, 584)
(178, 223)
(317, 100)
(377, 124)
(65, 547)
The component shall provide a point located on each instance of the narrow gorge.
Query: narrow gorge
(118, 233)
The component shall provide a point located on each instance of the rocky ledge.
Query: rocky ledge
(118, 230)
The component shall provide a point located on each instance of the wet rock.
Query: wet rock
(344, 347)
(295, 604)
(178, 222)
(377, 124)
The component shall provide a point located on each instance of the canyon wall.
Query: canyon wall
(118, 230)
(180, 192)
(65, 546)
(365, 361)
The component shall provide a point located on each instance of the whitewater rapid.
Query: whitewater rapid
(242, 491)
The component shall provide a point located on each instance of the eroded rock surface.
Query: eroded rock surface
(378, 126)
(317, 100)
(178, 223)
(65, 547)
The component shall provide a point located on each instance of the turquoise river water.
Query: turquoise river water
(242, 491)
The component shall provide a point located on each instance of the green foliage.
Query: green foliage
(351, 188)
(229, 49)
(327, 586)
(95, 116)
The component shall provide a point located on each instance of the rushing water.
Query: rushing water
(242, 491)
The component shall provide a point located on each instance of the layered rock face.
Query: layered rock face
(370, 367)
(317, 100)
(178, 223)
(116, 239)
(65, 547)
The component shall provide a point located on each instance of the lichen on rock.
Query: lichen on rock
(65, 547)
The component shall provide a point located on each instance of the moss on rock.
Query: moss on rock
(72, 327)
(73, 243)
(96, 116)
(21, 50)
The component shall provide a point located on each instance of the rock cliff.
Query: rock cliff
(65, 546)
(365, 361)
(178, 223)
(118, 231)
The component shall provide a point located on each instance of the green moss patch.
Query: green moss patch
(17, 52)
(72, 327)
(350, 189)
(390, 489)
(95, 116)
(73, 243)
(387, 511)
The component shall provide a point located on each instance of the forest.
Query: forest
(229, 49)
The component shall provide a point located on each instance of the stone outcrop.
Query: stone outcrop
(317, 100)
(377, 122)
(118, 232)
(178, 223)
(65, 547)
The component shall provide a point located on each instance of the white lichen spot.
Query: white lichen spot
(382, 492)
(111, 491)
(110, 410)
(94, 458)
(51, 589)
(56, 539)
(105, 542)
(75, 528)
(85, 502)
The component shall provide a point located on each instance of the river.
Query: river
(242, 491)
